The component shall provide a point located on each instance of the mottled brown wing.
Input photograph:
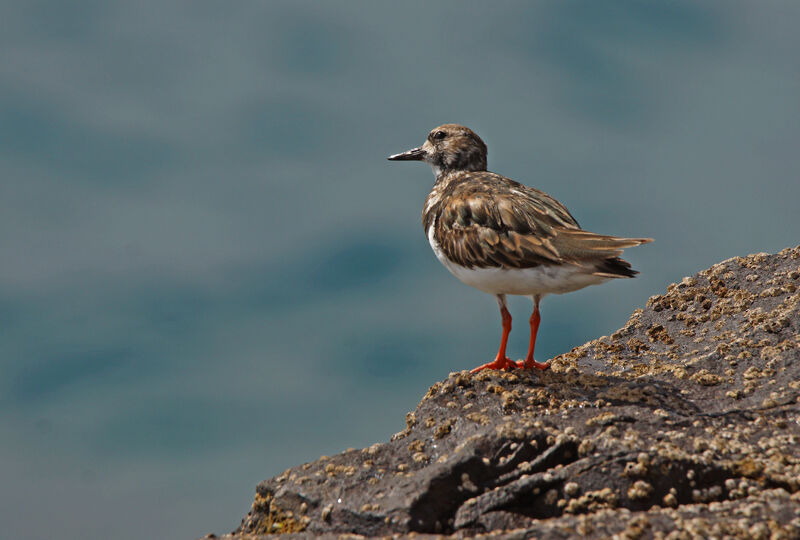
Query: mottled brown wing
(491, 221)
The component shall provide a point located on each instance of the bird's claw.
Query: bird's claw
(532, 364)
(497, 363)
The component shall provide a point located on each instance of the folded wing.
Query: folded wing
(500, 223)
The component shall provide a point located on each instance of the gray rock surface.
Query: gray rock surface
(684, 423)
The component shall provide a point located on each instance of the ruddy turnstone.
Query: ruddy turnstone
(502, 237)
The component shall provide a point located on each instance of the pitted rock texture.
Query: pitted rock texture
(685, 423)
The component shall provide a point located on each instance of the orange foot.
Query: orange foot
(501, 362)
(532, 364)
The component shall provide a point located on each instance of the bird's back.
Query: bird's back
(482, 219)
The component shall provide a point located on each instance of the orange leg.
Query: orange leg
(501, 361)
(529, 362)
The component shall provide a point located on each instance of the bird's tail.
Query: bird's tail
(599, 252)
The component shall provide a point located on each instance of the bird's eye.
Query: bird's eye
(439, 135)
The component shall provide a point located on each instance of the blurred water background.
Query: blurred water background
(210, 272)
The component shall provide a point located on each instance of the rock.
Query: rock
(686, 419)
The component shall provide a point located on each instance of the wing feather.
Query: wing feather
(487, 220)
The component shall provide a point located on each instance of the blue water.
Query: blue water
(211, 273)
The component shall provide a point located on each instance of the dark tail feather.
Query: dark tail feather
(615, 267)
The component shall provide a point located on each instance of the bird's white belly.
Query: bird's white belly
(540, 280)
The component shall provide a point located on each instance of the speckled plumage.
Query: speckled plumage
(481, 219)
(503, 237)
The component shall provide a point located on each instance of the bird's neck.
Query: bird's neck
(445, 176)
(460, 162)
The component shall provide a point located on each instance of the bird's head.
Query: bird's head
(449, 148)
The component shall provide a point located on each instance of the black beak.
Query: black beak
(415, 154)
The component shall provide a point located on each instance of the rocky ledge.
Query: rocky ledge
(684, 423)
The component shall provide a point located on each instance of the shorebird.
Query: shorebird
(505, 238)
